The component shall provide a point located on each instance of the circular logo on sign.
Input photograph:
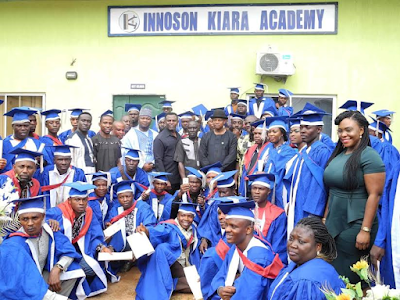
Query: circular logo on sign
(129, 21)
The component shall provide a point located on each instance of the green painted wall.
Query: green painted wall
(39, 39)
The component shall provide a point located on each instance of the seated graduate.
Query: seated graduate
(271, 220)
(211, 172)
(129, 170)
(37, 263)
(81, 227)
(54, 176)
(99, 199)
(192, 192)
(176, 245)
(250, 265)
(159, 199)
(311, 249)
(209, 227)
(130, 213)
(213, 258)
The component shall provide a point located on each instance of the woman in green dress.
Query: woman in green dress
(355, 176)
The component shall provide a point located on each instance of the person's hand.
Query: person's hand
(363, 240)
(226, 292)
(141, 228)
(183, 189)
(3, 163)
(168, 186)
(54, 279)
(54, 225)
(376, 254)
(203, 245)
(201, 201)
(144, 195)
(106, 250)
(147, 167)
(108, 224)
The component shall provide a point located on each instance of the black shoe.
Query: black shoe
(127, 266)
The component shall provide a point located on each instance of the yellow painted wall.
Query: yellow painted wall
(39, 39)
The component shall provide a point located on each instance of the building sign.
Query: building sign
(310, 18)
(138, 86)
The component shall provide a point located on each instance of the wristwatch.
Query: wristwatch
(60, 267)
(366, 229)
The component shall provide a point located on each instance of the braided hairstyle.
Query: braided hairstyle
(353, 163)
(321, 236)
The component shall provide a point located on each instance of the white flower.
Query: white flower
(394, 293)
(8, 193)
(377, 292)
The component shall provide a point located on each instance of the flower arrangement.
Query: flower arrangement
(9, 221)
(355, 292)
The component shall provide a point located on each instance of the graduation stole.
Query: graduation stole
(35, 136)
(56, 185)
(124, 213)
(24, 235)
(222, 249)
(249, 154)
(172, 222)
(34, 189)
(271, 212)
(270, 271)
(69, 213)
(210, 195)
(159, 194)
(56, 141)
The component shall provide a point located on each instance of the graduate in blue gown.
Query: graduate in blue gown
(311, 249)
(385, 116)
(249, 257)
(259, 102)
(284, 103)
(99, 199)
(81, 227)
(211, 171)
(176, 244)
(53, 124)
(75, 112)
(159, 122)
(232, 107)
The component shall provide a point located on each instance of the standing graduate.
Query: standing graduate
(385, 116)
(75, 112)
(53, 125)
(232, 107)
(133, 113)
(211, 171)
(259, 102)
(284, 96)
(249, 257)
(176, 245)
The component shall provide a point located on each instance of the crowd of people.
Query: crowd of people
(255, 195)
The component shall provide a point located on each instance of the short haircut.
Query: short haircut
(171, 114)
(84, 113)
(103, 116)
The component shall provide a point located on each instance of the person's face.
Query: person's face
(119, 130)
(53, 126)
(101, 187)
(125, 199)
(74, 122)
(185, 123)
(78, 204)
(84, 123)
(238, 124)
(259, 93)
(257, 136)
(301, 245)
(21, 131)
(131, 165)
(62, 163)
(32, 222)
(374, 133)
(161, 124)
(221, 219)
(167, 109)
(234, 96)
(159, 186)
(226, 191)
(259, 193)
(106, 124)
(134, 115)
(349, 133)
(386, 120)
(210, 124)
(282, 101)
(32, 123)
(295, 136)
(24, 170)
(194, 184)
(241, 109)
(218, 123)
(172, 122)
(193, 129)
(247, 125)
(309, 132)
(210, 176)
(144, 122)
(275, 135)
(185, 219)
(236, 230)
(127, 122)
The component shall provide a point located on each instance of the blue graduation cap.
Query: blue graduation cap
(98, 176)
(243, 102)
(124, 186)
(260, 124)
(31, 204)
(280, 122)
(200, 110)
(284, 93)
(75, 112)
(160, 176)
(132, 153)
(271, 110)
(63, 150)
(312, 115)
(20, 115)
(241, 210)
(186, 115)
(260, 86)
(51, 114)
(166, 103)
(159, 117)
(234, 90)
(208, 115)
(231, 199)
(214, 168)
(108, 113)
(1, 101)
(194, 173)
(225, 179)
(25, 155)
(356, 105)
(187, 207)
(79, 188)
(237, 117)
(383, 113)
(378, 126)
(263, 179)
(131, 106)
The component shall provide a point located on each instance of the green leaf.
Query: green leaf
(359, 290)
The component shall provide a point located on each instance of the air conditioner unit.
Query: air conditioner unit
(274, 64)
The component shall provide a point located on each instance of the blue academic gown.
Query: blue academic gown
(265, 103)
(167, 241)
(67, 134)
(286, 111)
(140, 177)
(26, 282)
(48, 151)
(305, 281)
(249, 285)
(324, 138)
(96, 204)
(165, 203)
(87, 246)
(209, 226)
